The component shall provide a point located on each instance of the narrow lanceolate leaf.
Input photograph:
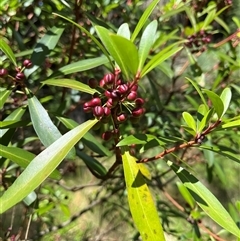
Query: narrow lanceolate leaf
(140, 201)
(123, 51)
(226, 97)
(42, 166)
(7, 51)
(43, 48)
(43, 125)
(231, 124)
(22, 157)
(143, 19)
(4, 93)
(189, 120)
(72, 84)
(146, 43)
(216, 102)
(206, 200)
(80, 66)
(124, 31)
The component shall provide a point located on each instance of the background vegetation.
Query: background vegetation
(85, 198)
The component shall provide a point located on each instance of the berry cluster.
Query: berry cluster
(117, 101)
(198, 41)
(19, 77)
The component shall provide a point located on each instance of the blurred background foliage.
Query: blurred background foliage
(81, 207)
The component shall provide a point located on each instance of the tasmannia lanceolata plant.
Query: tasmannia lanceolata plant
(116, 101)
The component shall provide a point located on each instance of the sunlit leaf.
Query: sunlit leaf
(42, 166)
(186, 195)
(140, 201)
(72, 84)
(226, 97)
(124, 31)
(205, 199)
(4, 93)
(189, 120)
(231, 124)
(8, 51)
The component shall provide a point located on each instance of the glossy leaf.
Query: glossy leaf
(42, 166)
(22, 158)
(186, 194)
(231, 124)
(226, 97)
(146, 43)
(206, 200)
(140, 201)
(92, 163)
(124, 31)
(43, 48)
(166, 53)
(72, 84)
(123, 51)
(43, 125)
(7, 51)
(13, 124)
(216, 102)
(88, 139)
(189, 120)
(80, 66)
(204, 116)
(4, 93)
(144, 18)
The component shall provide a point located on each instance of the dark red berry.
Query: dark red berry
(106, 136)
(137, 112)
(122, 117)
(109, 78)
(119, 82)
(108, 93)
(134, 88)
(102, 83)
(93, 83)
(3, 72)
(94, 102)
(132, 95)
(115, 94)
(111, 103)
(123, 88)
(139, 102)
(27, 63)
(19, 76)
(98, 111)
(87, 109)
(107, 111)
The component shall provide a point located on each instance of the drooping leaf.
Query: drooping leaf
(72, 84)
(92, 163)
(226, 97)
(4, 93)
(81, 65)
(43, 125)
(216, 102)
(22, 157)
(42, 166)
(124, 31)
(143, 19)
(123, 51)
(206, 200)
(140, 201)
(8, 51)
(188, 118)
(146, 43)
(43, 48)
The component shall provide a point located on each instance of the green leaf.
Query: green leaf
(186, 194)
(42, 166)
(81, 65)
(43, 125)
(231, 124)
(4, 93)
(216, 102)
(146, 43)
(88, 139)
(124, 31)
(72, 84)
(144, 18)
(123, 51)
(43, 48)
(89, 35)
(206, 200)
(195, 85)
(140, 201)
(22, 157)
(226, 97)
(13, 124)
(92, 163)
(190, 121)
(159, 58)
(8, 51)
